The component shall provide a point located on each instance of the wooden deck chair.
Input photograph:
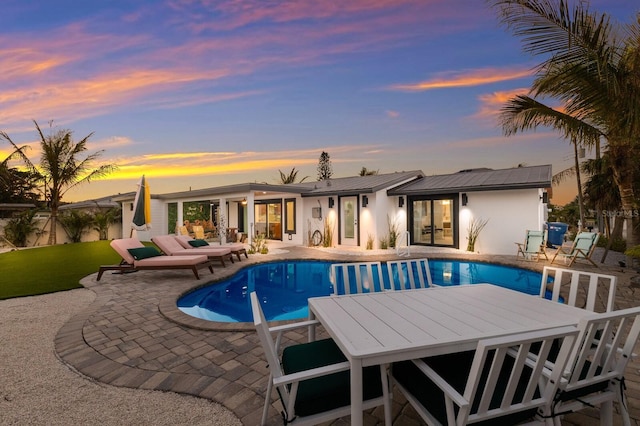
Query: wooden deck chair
(357, 277)
(498, 383)
(533, 246)
(172, 247)
(587, 290)
(595, 372)
(136, 256)
(581, 249)
(312, 379)
(409, 274)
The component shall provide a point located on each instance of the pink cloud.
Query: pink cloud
(465, 79)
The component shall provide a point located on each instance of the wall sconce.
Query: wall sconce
(545, 197)
(465, 200)
(330, 202)
(401, 202)
(244, 201)
(365, 201)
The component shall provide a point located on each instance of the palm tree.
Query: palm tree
(60, 167)
(366, 172)
(291, 177)
(593, 67)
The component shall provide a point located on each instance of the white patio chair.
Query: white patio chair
(409, 274)
(312, 378)
(595, 372)
(585, 288)
(497, 382)
(357, 277)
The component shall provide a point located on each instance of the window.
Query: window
(432, 220)
(290, 215)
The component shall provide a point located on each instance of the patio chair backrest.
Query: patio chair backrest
(360, 277)
(584, 244)
(591, 291)
(168, 244)
(122, 245)
(605, 346)
(534, 240)
(182, 230)
(198, 231)
(409, 274)
(509, 357)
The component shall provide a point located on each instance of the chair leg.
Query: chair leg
(386, 394)
(267, 401)
(606, 413)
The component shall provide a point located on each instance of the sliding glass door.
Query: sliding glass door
(433, 221)
(268, 215)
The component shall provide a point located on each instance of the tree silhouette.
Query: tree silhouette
(325, 169)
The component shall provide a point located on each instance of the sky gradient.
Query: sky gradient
(203, 93)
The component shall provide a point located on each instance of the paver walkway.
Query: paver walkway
(134, 336)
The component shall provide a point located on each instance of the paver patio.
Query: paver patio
(133, 335)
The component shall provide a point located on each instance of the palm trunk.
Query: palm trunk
(623, 173)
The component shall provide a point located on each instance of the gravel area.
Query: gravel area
(37, 389)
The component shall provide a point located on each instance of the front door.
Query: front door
(349, 221)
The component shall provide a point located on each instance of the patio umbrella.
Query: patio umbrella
(142, 208)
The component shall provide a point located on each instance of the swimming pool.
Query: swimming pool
(284, 287)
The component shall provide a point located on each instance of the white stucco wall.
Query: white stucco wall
(511, 213)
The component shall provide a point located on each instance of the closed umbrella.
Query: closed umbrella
(142, 208)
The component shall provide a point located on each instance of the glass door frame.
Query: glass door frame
(455, 209)
(267, 231)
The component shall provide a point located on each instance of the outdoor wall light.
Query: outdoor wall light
(401, 202)
(465, 200)
(365, 201)
(545, 197)
(244, 201)
(330, 202)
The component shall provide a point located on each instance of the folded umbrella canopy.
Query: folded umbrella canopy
(142, 208)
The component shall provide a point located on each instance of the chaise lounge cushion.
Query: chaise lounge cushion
(140, 253)
(171, 245)
(326, 392)
(122, 246)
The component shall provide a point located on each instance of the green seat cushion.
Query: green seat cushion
(140, 253)
(198, 243)
(454, 368)
(326, 392)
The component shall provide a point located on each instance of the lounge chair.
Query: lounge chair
(582, 248)
(236, 248)
(136, 256)
(533, 246)
(170, 246)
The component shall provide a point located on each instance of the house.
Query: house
(362, 210)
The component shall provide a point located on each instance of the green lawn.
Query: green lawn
(49, 269)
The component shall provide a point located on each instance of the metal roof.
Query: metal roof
(237, 188)
(359, 184)
(479, 180)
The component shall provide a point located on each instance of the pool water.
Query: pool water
(284, 287)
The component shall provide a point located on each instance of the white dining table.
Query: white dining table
(385, 327)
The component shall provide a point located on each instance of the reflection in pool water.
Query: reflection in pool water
(284, 287)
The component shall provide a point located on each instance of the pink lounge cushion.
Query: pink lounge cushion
(234, 246)
(208, 251)
(122, 246)
(183, 240)
(168, 244)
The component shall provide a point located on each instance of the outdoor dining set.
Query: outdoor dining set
(459, 354)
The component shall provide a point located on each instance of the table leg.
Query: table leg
(312, 328)
(356, 392)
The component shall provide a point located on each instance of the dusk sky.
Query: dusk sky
(204, 93)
